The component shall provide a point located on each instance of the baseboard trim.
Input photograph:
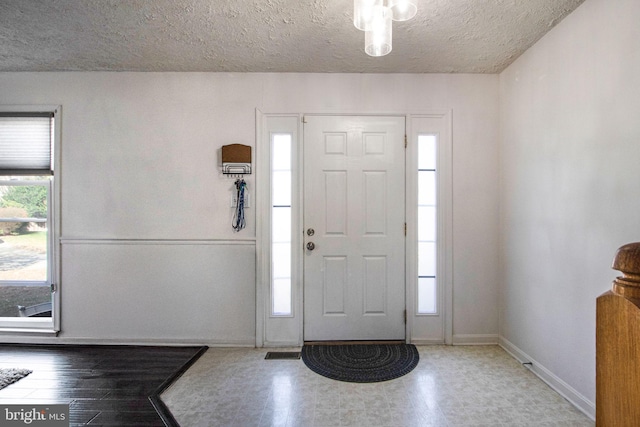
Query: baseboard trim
(281, 344)
(476, 339)
(426, 342)
(565, 390)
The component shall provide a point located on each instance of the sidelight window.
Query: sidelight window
(281, 192)
(427, 224)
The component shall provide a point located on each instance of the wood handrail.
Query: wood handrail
(618, 344)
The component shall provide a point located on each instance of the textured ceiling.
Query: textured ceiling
(460, 36)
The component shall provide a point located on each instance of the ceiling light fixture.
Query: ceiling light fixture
(403, 10)
(377, 40)
(374, 18)
(363, 13)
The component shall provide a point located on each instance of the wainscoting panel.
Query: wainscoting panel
(200, 292)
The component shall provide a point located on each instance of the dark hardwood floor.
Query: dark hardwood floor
(103, 385)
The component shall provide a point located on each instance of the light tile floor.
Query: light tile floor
(451, 386)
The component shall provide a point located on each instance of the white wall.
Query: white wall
(570, 145)
(140, 170)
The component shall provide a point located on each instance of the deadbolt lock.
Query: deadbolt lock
(310, 231)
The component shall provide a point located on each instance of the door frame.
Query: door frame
(282, 331)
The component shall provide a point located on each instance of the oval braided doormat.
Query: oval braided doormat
(361, 363)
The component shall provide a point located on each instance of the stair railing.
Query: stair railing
(618, 344)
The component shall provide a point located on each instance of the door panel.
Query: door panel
(354, 283)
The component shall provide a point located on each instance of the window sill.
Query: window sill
(27, 326)
(29, 331)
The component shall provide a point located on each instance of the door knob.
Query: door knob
(311, 246)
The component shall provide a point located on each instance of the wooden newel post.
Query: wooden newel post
(618, 344)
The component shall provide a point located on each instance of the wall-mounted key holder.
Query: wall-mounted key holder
(236, 162)
(236, 159)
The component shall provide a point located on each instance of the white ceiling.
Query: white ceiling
(446, 36)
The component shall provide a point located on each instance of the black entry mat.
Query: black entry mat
(282, 355)
(361, 363)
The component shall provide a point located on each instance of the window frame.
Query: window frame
(277, 330)
(42, 325)
(426, 328)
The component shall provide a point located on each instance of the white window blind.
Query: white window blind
(26, 143)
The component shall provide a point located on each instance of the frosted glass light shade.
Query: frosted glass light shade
(363, 13)
(403, 10)
(377, 41)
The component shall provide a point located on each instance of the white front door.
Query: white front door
(354, 224)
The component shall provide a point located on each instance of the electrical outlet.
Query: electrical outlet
(247, 199)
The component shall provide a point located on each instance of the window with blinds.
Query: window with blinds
(26, 228)
(26, 143)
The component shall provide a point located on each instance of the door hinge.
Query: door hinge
(53, 287)
(405, 141)
(405, 229)
(405, 317)
(304, 119)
